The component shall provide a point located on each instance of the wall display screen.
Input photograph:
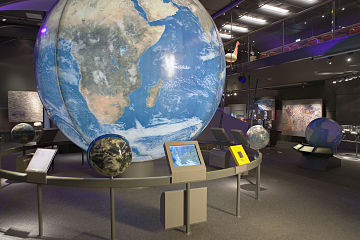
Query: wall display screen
(24, 106)
(266, 105)
(184, 155)
(297, 114)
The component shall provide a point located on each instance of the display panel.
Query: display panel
(239, 155)
(297, 114)
(322, 150)
(24, 106)
(306, 149)
(297, 147)
(185, 161)
(184, 155)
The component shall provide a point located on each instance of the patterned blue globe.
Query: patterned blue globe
(258, 137)
(323, 132)
(152, 71)
(22, 133)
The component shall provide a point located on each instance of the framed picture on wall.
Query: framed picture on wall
(297, 114)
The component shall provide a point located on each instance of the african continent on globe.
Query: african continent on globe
(323, 132)
(152, 71)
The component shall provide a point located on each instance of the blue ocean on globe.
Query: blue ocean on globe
(323, 132)
(152, 71)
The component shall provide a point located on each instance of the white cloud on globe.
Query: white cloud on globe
(169, 64)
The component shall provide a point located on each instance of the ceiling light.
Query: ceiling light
(235, 94)
(225, 36)
(34, 16)
(4, 19)
(343, 9)
(322, 16)
(235, 28)
(348, 59)
(307, 1)
(272, 9)
(298, 40)
(253, 20)
(329, 60)
(334, 82)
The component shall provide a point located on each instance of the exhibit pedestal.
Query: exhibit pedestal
(221, 159)
(319, 162)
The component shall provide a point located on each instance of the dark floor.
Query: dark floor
(295, 204)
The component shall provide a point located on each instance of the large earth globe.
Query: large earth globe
(258, 137)
(150, 70)
(22, 133)
(109, 154)
(323, 132)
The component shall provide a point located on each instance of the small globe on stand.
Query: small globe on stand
(258, 137)
(323, 132)
(22, 133)
(109, 154)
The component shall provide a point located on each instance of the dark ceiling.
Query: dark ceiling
(16, 15)
(20, 19)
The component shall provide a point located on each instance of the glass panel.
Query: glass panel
(267, 42)
(347, 18)
(308, 29)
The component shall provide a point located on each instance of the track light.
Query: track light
(273, 9)
(330, 60)
(253, 20)
(235, 28)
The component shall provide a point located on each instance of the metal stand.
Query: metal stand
(39, 192)
(356, 149)
(238, 196)
(187, 205)
(257, 192)
(112, 209)
(82, 157)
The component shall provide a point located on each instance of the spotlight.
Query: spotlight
(334, 82)
(4, 19)
(329, 60)
(242, 79)
(228, 95)
(348, 59)
(235, 94)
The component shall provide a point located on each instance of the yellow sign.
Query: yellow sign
(239, 155)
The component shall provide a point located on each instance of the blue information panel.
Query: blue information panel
(184, 155)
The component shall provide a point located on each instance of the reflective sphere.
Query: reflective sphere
(150, 70)
(323, 132)
(258, 137)
(230, 57)
(22, 133)
(110, 155)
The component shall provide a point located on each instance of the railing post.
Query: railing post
(238, 196)
(40, 218)
(333, 25)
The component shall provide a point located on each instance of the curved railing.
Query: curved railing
(124, 182)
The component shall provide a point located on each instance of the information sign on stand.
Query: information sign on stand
(186, 161)
(239, 155)
(39, 165)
